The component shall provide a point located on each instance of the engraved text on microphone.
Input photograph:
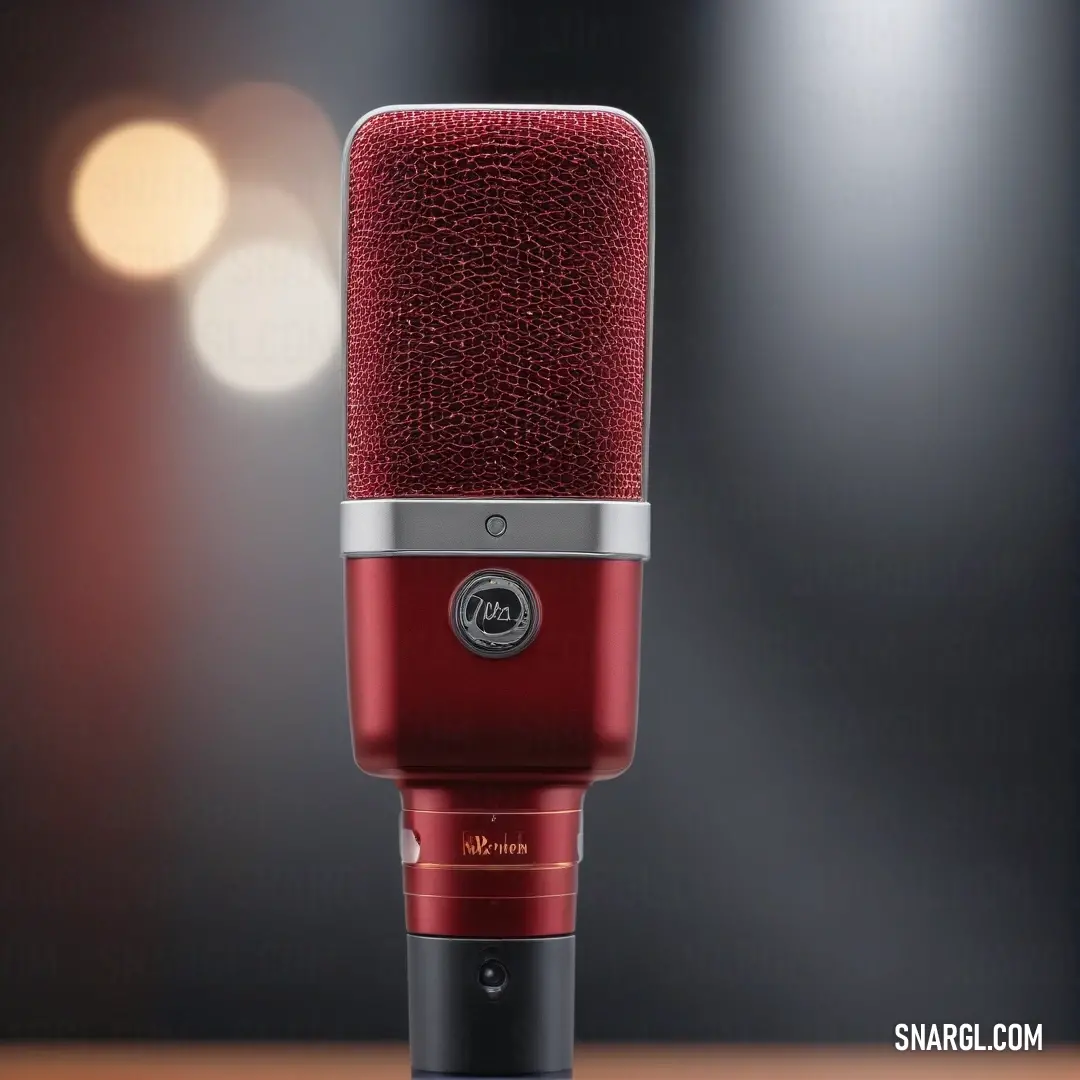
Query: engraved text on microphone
(477, 844)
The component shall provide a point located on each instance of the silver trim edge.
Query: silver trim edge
(576, 528)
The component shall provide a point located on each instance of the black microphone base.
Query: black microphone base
(496, 1009)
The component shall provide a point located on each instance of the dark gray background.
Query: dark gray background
(853, 802)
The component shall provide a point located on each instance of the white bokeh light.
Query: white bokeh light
(264, 316)
(879, 51)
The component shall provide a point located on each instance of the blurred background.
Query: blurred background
(854, 802)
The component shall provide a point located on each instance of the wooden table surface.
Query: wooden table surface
(292, 1062)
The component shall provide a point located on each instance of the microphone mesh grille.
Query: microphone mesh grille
(497, 300)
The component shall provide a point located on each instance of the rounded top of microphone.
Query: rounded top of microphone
(497, 288)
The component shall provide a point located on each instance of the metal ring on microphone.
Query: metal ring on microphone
(578, 528)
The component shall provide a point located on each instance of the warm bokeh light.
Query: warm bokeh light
(265, 316)
(273, 135)
(147, 198)
(263, 303)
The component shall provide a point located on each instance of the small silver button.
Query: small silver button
(495, 525)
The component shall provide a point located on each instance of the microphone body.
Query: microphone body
(498, 264)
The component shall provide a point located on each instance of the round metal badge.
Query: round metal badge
(495, 614)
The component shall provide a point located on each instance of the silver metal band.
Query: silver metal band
(578, 528)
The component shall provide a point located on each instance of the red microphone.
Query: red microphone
(498, 277)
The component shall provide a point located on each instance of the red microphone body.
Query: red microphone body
(498, 268)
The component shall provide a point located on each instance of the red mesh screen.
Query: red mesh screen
(497, 293)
